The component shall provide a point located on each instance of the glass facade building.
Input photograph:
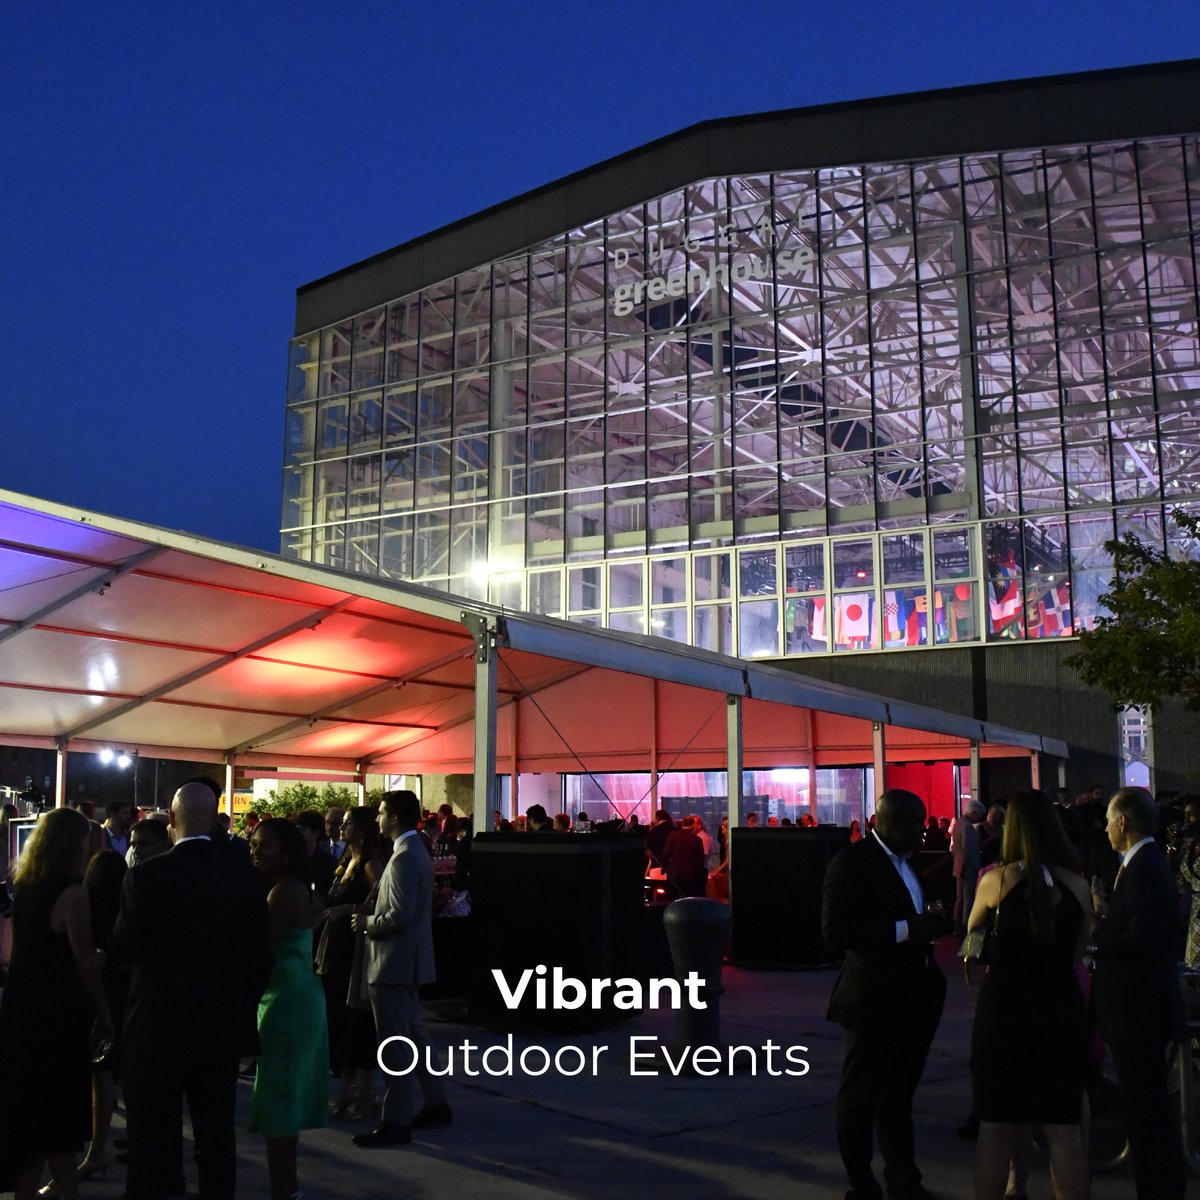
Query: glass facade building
(865, 407)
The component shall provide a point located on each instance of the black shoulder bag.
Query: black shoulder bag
(982, 944)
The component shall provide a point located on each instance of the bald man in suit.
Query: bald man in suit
(193, 925)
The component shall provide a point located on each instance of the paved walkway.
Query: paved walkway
(617, 1136)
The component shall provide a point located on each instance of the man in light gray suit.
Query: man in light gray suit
(400, 959)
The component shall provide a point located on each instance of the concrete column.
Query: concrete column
(229, 787)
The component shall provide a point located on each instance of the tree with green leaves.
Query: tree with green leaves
(299, 797)
(1149, 648)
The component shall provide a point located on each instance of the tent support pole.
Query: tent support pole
(879, 757)
(975, 770)
(733, 772)
(229, 787)
(60, 776)
(487, 659)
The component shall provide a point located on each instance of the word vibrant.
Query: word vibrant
(567, 992)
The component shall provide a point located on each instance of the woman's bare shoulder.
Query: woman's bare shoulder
(1074, 882)
(989, 883)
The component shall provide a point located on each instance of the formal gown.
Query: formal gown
(291, 1086)
(45, 1027)
(1029, 1044)
(1189, 882)
(352, 1037)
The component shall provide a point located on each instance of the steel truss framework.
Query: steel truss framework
(842, 409)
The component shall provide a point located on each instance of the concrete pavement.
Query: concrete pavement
(616, 1135)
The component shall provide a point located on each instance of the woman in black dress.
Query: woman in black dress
(52, 998)
(102, 881)
(352, 1040)
(1029, 1044)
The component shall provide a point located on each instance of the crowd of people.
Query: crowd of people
(1022, 873)
(164, 956)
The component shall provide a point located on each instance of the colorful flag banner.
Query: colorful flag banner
(1056, 612)
(895, 617)
(817, 628)
(852, 619)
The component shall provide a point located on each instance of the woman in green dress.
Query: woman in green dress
(291, 1086)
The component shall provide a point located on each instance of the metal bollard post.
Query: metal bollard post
(696, 932)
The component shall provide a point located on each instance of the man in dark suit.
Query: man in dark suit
(888, 996)
(1138, 1003)
(193, 924)
(400, 958)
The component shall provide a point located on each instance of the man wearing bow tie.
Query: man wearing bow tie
(1138, 1002)
(888, 996)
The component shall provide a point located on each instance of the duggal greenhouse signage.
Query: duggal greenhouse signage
(690, 281)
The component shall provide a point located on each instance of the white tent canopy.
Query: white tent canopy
(117, 634)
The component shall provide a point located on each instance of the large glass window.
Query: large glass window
(866, 407)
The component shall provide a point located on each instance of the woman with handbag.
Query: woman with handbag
(352, 1040)
(1029, 1044)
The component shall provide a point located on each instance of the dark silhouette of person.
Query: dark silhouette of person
(193, 926)
(683, 861)
(1138, 1001)
(888, 996)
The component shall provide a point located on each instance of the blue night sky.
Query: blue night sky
(173, 172)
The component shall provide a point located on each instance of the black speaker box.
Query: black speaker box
(564, 900)
(776, 893)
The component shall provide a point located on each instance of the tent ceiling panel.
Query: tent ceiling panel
(154, 609)
(899, 736)
(521, 673)
(45, 714)
(590, 715)
(98, 664)
(266, 685)
(162, 724)
(381, 610)
(459, 674)
(353, 643)
(29, 583)
(77, 537)
(387, 706)
(326, 738)
(238, 570)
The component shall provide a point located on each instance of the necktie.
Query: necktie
(1120, 872)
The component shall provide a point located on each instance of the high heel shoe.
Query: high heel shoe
(364, 1108)
(342, 1105)
(90, 1168)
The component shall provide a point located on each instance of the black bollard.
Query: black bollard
(697, 930)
